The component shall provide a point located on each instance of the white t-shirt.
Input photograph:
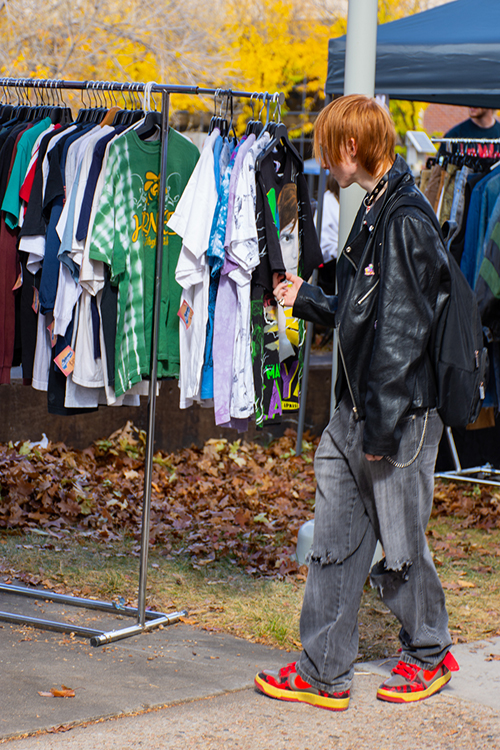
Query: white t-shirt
(192, 221)
(68, 288)
(329, 227)
(244, 249)
(43, 354)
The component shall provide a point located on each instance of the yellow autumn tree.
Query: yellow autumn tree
(279, 46)
(261, 45)
(162, 40)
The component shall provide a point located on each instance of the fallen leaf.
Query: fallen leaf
(451, 586)
(64, 692)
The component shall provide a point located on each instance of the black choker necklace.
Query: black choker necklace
(369, 200)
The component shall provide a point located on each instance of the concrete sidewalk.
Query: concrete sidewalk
(201, 682)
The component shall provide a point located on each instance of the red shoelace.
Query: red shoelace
(285, 671)
(408, 671)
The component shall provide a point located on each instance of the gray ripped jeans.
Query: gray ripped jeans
(358, 502)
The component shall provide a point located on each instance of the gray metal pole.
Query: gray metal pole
(359, 78)
(310, 326)
(148, 463)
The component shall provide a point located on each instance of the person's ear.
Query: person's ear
(352, 147)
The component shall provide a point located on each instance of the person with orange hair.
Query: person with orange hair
(375, 462)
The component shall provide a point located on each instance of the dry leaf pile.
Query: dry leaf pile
(238, 500)
(477, 506)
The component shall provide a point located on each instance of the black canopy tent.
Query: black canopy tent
(449, 54)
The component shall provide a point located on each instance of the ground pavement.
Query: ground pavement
(183, 687)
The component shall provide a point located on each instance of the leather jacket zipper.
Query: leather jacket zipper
(354, 407)
(365, 296)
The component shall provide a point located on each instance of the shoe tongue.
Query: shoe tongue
(450, 662)
(408, 671)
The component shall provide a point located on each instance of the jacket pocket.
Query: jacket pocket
(368, 293)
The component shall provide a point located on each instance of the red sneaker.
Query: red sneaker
(409, 682)
(287, 685)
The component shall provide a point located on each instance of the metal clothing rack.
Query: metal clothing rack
(478, 474)
(146, 620)
(479, 141)
(485, 474)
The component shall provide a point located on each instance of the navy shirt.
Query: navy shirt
(469, 129)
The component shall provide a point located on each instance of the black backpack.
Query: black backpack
(456, 347)
(458, 354)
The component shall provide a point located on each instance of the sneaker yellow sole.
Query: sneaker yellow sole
(328, 702)
(395, 696)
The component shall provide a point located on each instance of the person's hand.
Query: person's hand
(369, 457)
(285, 290)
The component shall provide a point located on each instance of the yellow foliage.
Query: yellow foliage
(278, 46)
(261, 45)
(390, 10)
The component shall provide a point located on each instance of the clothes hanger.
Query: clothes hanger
(230, 126)
(23, 108)
(258, 126)
(151, 125)
(251, 121)
(59, 111)
(120, 115)
(99, 110)
(133, 115)
(212, 124)
(218, 121)
(224, 125)
(113, 108)
(7, 108)
(83, 112)
(279, 137)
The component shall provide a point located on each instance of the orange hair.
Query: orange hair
(364, 120)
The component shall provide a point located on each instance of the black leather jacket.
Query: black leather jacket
(390, 275)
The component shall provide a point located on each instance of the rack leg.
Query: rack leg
(453, 449)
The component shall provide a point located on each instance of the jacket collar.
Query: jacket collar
(398, 175)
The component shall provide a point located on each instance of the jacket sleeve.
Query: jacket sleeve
(412, 258)
(314, 305)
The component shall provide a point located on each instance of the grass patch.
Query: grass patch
(221, 597)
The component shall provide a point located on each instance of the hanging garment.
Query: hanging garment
(483, 199)
(287, 242)
(448, 190)
(9, 275)
(216, 257)
(235, 396)
(229, 306)
(192, 221)
(432, 188)
(124, 237)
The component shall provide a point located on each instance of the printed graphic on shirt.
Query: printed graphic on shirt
(125, 235)
(277, 336)
(277, 383)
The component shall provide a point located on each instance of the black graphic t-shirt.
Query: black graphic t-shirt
(287, 242)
